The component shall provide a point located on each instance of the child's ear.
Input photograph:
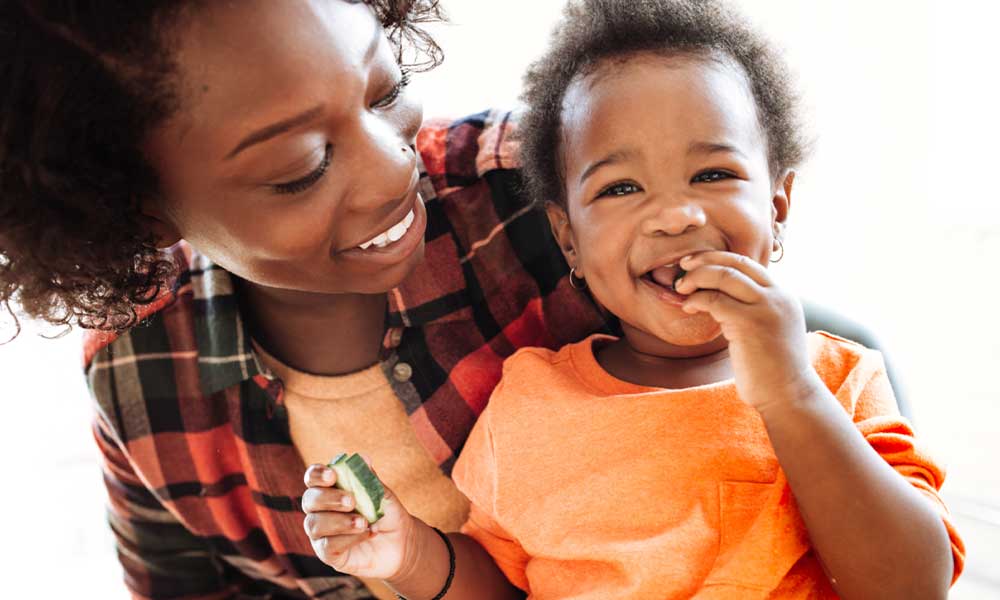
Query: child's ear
(781, 200)
(159, 226)
(562, 231)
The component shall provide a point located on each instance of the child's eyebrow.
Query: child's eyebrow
(618, 156)
(713, 148)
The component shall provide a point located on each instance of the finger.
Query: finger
(744, 264)
(720, 278)
(324, 524)
(719, 305)
(327, 499)
(333, 545)
(318, 475)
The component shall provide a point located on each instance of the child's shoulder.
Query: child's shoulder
(839, 360)
(537, 372)
(536, 358)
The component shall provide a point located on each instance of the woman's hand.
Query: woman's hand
(764, 324)
(343, 538)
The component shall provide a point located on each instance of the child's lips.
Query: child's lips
(665, 291)
(667, 275)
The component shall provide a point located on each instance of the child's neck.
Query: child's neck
(707, 364)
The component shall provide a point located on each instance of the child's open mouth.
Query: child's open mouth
(663, 279)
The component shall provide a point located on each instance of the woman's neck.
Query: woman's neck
(322, 334)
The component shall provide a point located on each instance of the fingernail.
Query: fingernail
(360, 523)
(689, 309)
(687, 258)
(327, 475)
(348, 502)
(677, 283)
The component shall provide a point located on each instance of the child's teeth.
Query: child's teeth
(366, 245)
(408, 219)
(381, 240)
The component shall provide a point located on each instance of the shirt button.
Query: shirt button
(395, 337)
(402, 372)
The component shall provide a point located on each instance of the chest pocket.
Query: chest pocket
(762, 536)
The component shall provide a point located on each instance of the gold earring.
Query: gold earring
(781, 251)
(572, 280)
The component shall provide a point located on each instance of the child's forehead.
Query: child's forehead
(677, 97)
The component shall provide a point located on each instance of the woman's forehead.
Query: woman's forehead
(257, 61)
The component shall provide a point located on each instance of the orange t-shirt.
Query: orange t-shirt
(588, 487)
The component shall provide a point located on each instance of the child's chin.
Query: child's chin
(692, 330)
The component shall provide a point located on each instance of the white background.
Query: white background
(895, 221)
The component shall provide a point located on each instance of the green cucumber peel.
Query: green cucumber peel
(355, 477)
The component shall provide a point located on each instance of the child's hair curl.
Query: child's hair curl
(593, 32)
(83, 84)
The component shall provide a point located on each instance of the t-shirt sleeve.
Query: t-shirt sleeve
(475, 474)
(891, 435)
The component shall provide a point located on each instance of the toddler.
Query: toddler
(715, 450)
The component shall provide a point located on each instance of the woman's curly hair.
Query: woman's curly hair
(84, 83)
(593, 32)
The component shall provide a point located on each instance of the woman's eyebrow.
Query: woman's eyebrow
(275, 129)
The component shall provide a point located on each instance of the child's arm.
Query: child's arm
(875, 534)
(398, 548)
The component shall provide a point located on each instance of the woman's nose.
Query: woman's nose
(673, 216)
(383, 160)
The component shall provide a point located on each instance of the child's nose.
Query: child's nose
(673, 217)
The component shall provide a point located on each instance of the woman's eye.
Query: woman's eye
(711, 176)
(619, 189)
(300, 185)
(394, 93)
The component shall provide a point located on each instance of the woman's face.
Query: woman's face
(292, 147)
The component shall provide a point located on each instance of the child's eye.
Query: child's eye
(394, 93)
(619, 189)
(711, 176)
(300, 185)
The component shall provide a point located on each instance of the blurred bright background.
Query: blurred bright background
(895, 222)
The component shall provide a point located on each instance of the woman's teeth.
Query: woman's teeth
(393, 234)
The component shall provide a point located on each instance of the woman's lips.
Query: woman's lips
(398, 250)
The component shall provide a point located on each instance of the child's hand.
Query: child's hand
(343, 539)
(764, 324)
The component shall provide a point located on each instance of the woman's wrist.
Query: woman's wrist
(426, 564)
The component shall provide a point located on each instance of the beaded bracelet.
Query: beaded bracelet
(451, 567)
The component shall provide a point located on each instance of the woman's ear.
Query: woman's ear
(781, 200)
(562, 231)
(157, 224)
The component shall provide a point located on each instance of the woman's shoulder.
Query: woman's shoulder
(459, 152)
(190, 343)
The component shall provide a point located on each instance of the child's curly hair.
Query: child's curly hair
(593, 32)
(83, 84)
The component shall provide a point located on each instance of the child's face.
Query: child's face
(291, 147)
(663, 157)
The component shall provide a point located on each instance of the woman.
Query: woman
(349, 280)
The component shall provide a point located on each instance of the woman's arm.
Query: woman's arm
(160, 557)
(476, 574)
(876, 535)
(398, 548)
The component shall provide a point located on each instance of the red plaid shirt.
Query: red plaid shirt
(205, 484)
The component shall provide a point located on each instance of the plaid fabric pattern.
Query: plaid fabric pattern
(204, 482)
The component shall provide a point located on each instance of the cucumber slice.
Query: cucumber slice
(354, 476)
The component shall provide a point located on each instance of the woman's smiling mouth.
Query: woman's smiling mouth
(396, 243)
